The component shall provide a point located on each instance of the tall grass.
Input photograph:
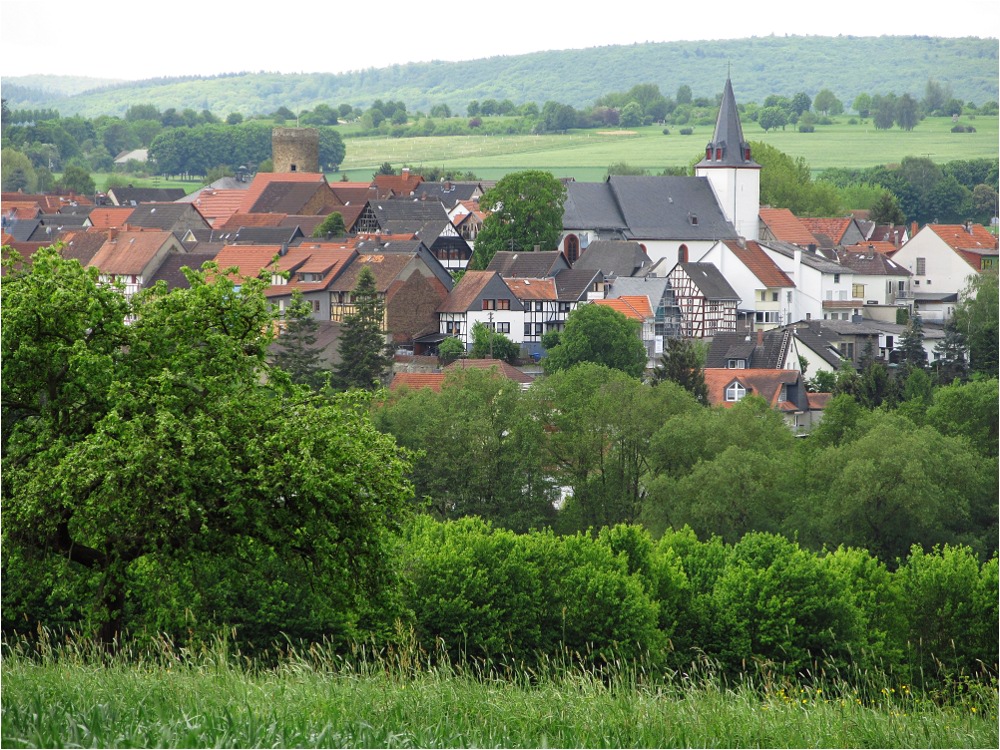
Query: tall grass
(77, 694)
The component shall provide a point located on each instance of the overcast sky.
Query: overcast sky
(147, 39)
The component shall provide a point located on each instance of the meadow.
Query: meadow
(586, 154)
(71, 696)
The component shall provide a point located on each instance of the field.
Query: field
(215, 700)
(586, 154)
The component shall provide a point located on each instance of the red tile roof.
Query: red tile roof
(396, 184)
(631, 306)
(764, 383)
(833, 228)
(263, 180)
(248, 260)
(533, 288)
(502, 368)
(218, 205)
(110, 218)
(786, 226)
(240, 219)
(760, 264)
(416, 380)
(971, 243)
(128, 253)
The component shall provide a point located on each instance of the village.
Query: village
(774, 297)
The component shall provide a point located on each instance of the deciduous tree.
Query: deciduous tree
(602, 335)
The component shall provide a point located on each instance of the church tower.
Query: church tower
(732, 173)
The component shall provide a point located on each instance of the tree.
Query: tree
(450, 349)
(884, 110)
(683, 94)
(170, 438)
(886, 210)
(682, 363)
(295, 349)
(977, 317)
(801, 103)
(906, 112)
(488, 344)
(365, 356)
(826, 103)
(951, 361)
(602, 335)
(76, 179)
(911, 344)
(331, 226)
(862, 105)
(631, 115)
(786, 182)
(935, 97)
(18, 172)
(770, 118)
(526, 211)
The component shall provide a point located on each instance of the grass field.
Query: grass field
(212, 700)
(586, 154)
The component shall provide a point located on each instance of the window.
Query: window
(846, 349)
(503, 304)
(988, 263)
(921, 266)
(539, 306)
(788, 297)
(564, 307)
(538, 329)
(836, 278)
(489, 304)
(682, 252)
(503, 327)
(737, 364)
(857, 291)
(453, 327)
(888, 342)
(774, 296)
(767, 316)
(762, 295)
(735, 392)
(315, 305)
(527, 329)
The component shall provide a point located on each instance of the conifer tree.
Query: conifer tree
(366, 357)
(296, 352)
(681, 363)
(911, 344)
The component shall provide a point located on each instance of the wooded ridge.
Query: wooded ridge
(759, 66)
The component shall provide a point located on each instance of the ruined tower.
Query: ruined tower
(295, 150)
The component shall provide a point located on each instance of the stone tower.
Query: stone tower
(732, 173)
(295, 150)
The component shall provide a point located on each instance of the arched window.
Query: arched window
(572, 248)
(735, 391)
(682, 254)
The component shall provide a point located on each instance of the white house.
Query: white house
(766, 292)
(481, 297)
(823, 288)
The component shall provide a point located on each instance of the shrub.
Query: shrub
(807, 129)
(687, 131)
(666, 131)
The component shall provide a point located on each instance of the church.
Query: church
(674, 219)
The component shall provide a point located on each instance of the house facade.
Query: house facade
(707, 302)
(481, 297)
(766, 292)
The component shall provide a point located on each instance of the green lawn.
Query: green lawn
(586, 154)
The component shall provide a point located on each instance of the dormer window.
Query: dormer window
(718, 154)
(737, 364)
(708, 151)
(735, 392)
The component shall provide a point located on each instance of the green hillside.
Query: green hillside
(759, 66)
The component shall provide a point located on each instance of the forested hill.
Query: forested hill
(760, 66)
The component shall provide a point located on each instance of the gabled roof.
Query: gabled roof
(971, 241)
(401, 185)
(764, 383)
(291, 197)
(830, 231)
(21, 210)
(760, 264)
(503, 368)
(614, 257)
(448, 192)
(22, 229)
(103, 217)
(406, 214)
(525, 289)
(573, 284)
(248, 260)
(417, 380)
(467, 290)
(386, 266)
(353, 193)
(809, 258)
(885, 248)
(170, 272)
(164, 215)
(869, 263)
(265, 235)
(133, 196)
(761, 350)
(217, 206)
(82, 245)
(631, 306)
(262, 180)
(710, 281)
(527, 263)
(128, 253)
(239, 220)
(786, 226)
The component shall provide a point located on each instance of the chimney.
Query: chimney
(760, 337)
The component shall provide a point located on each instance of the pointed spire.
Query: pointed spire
(727, 147)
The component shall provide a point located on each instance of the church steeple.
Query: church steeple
(727, 147)
(731, 171)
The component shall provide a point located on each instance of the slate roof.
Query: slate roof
(785, 226)
(573, 284)
(528, 264)
(448, 192)
(167, 216)
(133, 196)
(869, 262)
(170, 270)
(647, 208)
(710, 281)
(614, 258)
(760, 264)
(406, 215)
(465, 292)
(653, 287)
(22, 229)
(811, 259)
(265, 235)
(761, 350)
(728, 135)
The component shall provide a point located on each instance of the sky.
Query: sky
(141, 40)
